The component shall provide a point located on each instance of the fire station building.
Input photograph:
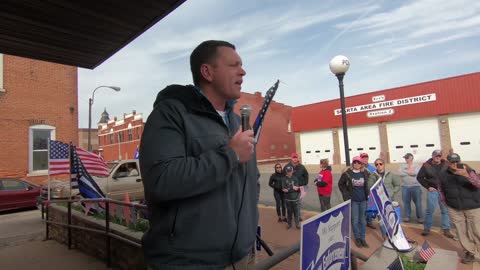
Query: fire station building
(442, 114)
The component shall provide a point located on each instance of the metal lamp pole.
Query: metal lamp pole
(90, 103)
(339, 66)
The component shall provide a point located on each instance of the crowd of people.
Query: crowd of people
(449, 183)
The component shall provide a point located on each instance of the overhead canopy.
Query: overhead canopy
(81, 33)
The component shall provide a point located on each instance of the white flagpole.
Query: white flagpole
(48, 168)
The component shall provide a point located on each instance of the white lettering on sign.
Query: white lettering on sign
(380, 113)
(378, 98)
(388, 104)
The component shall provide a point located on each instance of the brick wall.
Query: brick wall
(36, 93)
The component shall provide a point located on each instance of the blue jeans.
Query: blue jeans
(433, 198)
(359, 223)
(412, 193)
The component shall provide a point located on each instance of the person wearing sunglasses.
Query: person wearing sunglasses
(391, 182)
(429, 177)
(275, 183)
(353, 185)
(460, 190)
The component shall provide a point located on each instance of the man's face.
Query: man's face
(295, 160)
(437, 159)
(408, 159)
(365, 160)
(227, 73)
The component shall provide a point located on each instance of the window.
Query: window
(430, 145)
(414, 146)
(120, 137)
(327, 151)
(38, 148)
(273, 147)
(130, 132)
(13, 185)
(372, 148)
(308, 152)
(399, 146)
(111, 136)
(317, 151)
(138, 132)
(464, 143)
(360, 149)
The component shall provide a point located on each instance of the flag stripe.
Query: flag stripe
(58, 159)
(426, 252)
(92, 163)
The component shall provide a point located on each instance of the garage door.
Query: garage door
(419, 137)
(465, 135)
(316, 145)
(361, 139)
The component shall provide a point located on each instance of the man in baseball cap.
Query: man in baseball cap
(460, 186)
(301, 173)
(429, 177)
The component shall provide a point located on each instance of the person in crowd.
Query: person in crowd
(411, 189)
(324, 182)
(292, 195)
(275, 183)
(353, 185)
(371, 169)
(429, 177)
(132, 169)
(460, 190)
(391, 182)
(302, 175)
(201, 216)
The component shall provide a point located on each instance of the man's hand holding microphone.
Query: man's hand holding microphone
(243, 141)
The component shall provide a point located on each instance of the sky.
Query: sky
(389, 43)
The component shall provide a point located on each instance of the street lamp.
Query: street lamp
(339, 66)
(90, 103)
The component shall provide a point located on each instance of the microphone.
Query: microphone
(245, 112)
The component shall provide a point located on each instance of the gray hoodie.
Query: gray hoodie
(408, 178)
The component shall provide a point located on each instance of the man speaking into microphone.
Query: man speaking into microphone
(199, 169)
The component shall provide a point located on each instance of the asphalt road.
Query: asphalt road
(311, 202)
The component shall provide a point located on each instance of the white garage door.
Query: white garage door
(361, 139)
(419, 137)
(316, 145)
(465, 135)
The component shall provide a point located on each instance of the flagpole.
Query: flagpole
(48, 147)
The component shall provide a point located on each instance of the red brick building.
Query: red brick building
(38, 100)
(119, 138)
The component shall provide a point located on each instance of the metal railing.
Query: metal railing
(273, 260)
(106, 232)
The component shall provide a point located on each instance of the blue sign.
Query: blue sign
(325, 241)
(386, 210)
(389, 216)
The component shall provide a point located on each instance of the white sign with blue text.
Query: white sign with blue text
(388, 216)
(325, 241)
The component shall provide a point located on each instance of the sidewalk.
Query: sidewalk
(32, 253)
(277, 237)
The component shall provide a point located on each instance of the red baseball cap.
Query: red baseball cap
(362, 155)
(294, 155)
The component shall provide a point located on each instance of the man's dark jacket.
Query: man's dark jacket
(428, 176)
(458, 191)
(300, 172)
(194, 185)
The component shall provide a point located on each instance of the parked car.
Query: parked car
(124, 178)
(17, 194)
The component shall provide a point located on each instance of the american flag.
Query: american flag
(87, 186)
(426, 252)
(93, 163)
(396, 264)
(59, 160)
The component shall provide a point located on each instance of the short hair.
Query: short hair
(205, 53)
(324, 161)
